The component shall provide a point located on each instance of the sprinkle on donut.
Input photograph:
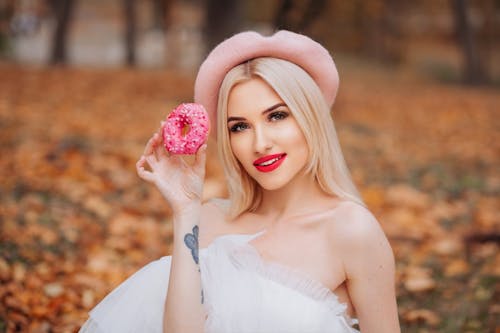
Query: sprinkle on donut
(190, 115)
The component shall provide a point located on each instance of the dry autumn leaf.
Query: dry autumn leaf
(422, 315)
(418, 279)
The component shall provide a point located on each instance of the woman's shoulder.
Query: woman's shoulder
(354, 222)
(359, 238)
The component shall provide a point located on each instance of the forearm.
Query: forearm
(184, 311)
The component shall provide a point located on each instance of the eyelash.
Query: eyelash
(282, 115)
(273, 116)
(236, 127)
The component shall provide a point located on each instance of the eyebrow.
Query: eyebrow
(269, 109)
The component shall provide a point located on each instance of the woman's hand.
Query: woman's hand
(180, 183)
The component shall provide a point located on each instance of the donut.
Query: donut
(190, 115)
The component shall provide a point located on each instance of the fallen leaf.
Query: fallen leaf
(422, 316)
(403, 195)
(53, 289)
(5, 270)
(456, 267)
(448, 246)
(418, 279)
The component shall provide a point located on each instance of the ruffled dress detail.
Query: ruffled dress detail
(242, 293)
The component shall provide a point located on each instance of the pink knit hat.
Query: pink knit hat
(287, 45)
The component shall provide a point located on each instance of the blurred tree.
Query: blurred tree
(473, 71)
(161, 9)
(130, 31)
(290, 17)
(281, 21)
(490, 34)
(377, 25)
(223, 18)
(63, 10)
(6, 13)
(372, 28)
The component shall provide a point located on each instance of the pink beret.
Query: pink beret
(298, 49)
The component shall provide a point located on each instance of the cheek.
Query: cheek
(237, 147)
(294, 137)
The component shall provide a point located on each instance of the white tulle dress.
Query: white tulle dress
(242, 294)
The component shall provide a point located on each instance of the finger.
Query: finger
(151, 159)
(160, 151)
(155, 142)
(142, 172)
(200, 160)
(140, 162)
(148, 150)
(146, 175)
(158, 140)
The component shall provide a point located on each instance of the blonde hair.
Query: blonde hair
(307, 105)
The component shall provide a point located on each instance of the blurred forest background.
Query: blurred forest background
(84, 84)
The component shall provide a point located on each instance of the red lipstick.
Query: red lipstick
(269, 163)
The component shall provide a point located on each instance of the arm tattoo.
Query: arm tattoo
(191, 241)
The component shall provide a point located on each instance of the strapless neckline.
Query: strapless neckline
(247, 248)
(247, 237)
(246, 256)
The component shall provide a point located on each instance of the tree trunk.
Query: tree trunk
(312, 12)
(130, 31)
(284, 18)
(223, 19)
(161, 8)
(378, 33)
(473, 72)
(63, 10)
(281, 19)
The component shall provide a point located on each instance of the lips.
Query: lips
(269, 163)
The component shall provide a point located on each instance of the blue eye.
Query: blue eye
(238, 127)
(278, 115)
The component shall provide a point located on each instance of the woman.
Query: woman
(293, 249)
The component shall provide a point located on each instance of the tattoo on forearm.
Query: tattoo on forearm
(191, 241)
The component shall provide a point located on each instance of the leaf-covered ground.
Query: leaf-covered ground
(76, 220)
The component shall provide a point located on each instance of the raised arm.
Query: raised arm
(182, 185)
(370, 270)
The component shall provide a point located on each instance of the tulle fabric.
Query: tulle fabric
(134, 306)
(243, 294)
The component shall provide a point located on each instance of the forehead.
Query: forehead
(253, 95)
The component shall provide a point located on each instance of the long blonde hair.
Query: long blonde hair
(306, 103)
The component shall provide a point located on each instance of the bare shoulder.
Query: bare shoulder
(369, 267)
(355, 224)
(358, 236)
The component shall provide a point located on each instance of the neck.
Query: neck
(301, 196)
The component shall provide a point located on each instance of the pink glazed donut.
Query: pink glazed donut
(190, 115)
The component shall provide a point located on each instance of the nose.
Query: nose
(262, 141)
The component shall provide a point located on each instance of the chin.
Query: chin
(272, 184)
